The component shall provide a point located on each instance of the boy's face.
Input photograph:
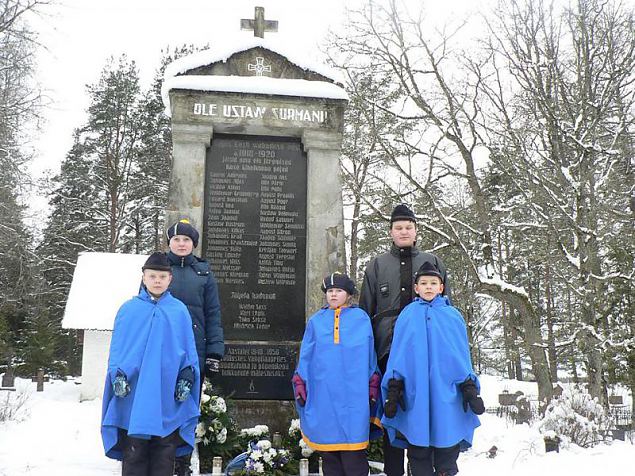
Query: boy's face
(403, 233)
(336, 297)
(428, 287)
(181, 245)
(156, 281)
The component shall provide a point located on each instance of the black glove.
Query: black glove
(471, 398)
(212, 367)
(395, 397)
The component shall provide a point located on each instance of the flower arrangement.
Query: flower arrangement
(216, 432)
(246, 436)
(263, 459)
(297, 445)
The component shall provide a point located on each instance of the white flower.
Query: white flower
(222, 436)
(217, 424)
(259, 467)
(200, 430)
(294, 428)
(218, 405)
(255, 455)
(305, 449)
(266, 457)
(205, 398)
(264, 444)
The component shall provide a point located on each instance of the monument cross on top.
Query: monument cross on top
(259, 25)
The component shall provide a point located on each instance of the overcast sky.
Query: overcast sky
(80, 35)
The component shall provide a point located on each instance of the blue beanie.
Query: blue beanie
(183, 227)
(340, 281)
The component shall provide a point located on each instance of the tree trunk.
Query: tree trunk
(533, 339)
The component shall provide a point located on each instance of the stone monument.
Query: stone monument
(256, 144)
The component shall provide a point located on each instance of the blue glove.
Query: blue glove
(120, 386)
(183, 390)
(184, 384)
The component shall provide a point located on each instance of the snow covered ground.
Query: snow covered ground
(58, 435)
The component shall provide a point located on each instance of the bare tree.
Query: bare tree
(562, 127)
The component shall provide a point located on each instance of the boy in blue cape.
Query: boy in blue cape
(150, 403)
(336, 382)
(430, 387)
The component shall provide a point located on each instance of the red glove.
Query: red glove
(373, 388)
(299, 389)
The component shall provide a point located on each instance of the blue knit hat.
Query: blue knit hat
(340, 281)
(183, 227)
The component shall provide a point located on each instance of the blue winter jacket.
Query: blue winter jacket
(151, 344)
(431, 355)
(193, 283)
(337, 360)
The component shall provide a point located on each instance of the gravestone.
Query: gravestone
(8, 378)
(256, 144)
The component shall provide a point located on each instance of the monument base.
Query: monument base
(276, 414)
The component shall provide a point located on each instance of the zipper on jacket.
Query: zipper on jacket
(182, 261)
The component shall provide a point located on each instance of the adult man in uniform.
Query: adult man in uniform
(386, 289)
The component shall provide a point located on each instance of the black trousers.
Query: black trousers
(393, 458)
(430, 461)
(153, 457)
(344, 463)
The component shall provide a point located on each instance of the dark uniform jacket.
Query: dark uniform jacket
(388, 288)
(193, 283)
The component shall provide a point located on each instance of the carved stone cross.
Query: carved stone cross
(260, 66)
(259, 25)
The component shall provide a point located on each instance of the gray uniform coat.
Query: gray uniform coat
(388, 287)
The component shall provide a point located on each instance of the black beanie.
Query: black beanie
(158, 262)
(183, 227)
(402, 212)
(428, 269)
(340, 281)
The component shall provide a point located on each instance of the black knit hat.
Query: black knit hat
(158, 262)
(402, 212)
(183, 227)
(340, 281)
(428, 269)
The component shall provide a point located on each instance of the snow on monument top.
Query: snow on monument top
(178, 73)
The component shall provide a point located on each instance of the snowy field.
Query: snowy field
(58, 435)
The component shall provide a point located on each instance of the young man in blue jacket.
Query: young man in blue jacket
(194, 284)
(150, 403)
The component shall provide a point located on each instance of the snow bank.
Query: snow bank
(102, 282)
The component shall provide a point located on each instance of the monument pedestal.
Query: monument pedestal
(257, 141)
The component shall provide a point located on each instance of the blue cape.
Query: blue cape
(336, 416)
(430, 353)
(152, 341)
